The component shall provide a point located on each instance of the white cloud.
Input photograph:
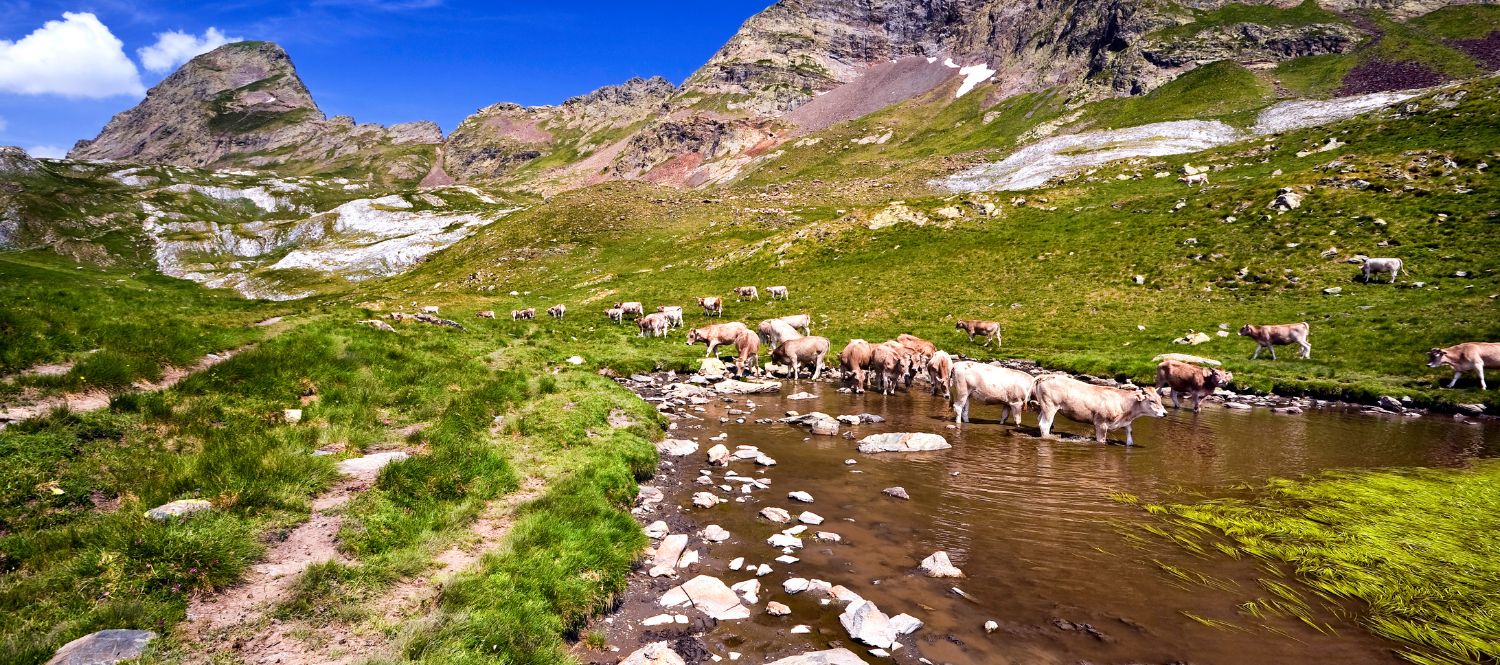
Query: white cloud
(174, 48)
(75, 57)
(47, 152)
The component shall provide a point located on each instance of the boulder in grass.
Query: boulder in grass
(180, 508)
(105, 647)
(902, 442)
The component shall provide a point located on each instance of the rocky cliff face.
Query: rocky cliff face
(243, 105)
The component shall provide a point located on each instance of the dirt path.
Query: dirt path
(97, 399)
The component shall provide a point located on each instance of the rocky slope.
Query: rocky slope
(243, 106)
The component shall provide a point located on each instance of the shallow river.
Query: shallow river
(1033, 526)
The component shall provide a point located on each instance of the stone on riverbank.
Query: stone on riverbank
(105, 647)
(829, 657)
(778, 515)
(776, 609)
(719, 454)
(706, 500)
(736, 387)
(866, 623)
(664, 563)
(677, 447)
(804, 497)
(902, 442)
(656, 653)
(714, 533)
(708, 595)
(938, 565)
(896, 492)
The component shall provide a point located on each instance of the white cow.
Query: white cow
(1376, 266)
(988, 384)
(1101, 406)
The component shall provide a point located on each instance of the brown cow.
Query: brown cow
(656, 324)
(852, 363)
(801, 351)
(1465, 357)
(939, 368)
(557, 311)
(1186, 379)
(631, 308)
(1270, 337)
(487, 314)
(712, 305)
(1101, 406)
(747, 356)
(989, 384)
(986, 329)
(776, 331)
(890, 362)
(746, 293)
(802, 321)
(519, 314)
(715, 335)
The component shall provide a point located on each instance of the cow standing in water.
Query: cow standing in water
(1185, 379)
(800, 351)
(989, 384)
(852, 363)
(716, 335)
(747, 352)
(1103, 407)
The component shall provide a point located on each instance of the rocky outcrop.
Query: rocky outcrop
(243, 105)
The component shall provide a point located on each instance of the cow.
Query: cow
(988, 384)
(518, 314)
(615, 314)
(1101, 406)
(802, 321)
(747, 352)
(778, 293)
(852, 363)
(746, 293)
(487, 314)
(775, 331)
(1186, 379)
(712, 305)
(1200, 179)
(1272, 336)
(1464, 357)
(430, 309)
(890, 362)
(557, 311)
(673, 312)
(939, 368)
(801, 351)
(715, 335)
(1375, 266)
(629, 308)
(655, 324)
(987, 329)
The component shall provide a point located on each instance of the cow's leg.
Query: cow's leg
(1197, 402)
(1175, 404)
(1454, 382)
(1016, 409)
(1129, 437)
(1273, 351)
(1306, 350)
(1044, 417)
(710, 351)
(971, 337)
(1479, 367)
(1255, 355)
(1101, 433)
(818, 368)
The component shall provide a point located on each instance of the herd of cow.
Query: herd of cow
(897, 363)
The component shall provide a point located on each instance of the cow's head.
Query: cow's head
(1245, 330)
(1148, 403)
(695, 336)
(1220, 377)
(1438, 358)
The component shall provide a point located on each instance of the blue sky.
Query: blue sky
(66, 67)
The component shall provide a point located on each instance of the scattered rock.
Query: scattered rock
(1237, 406)
(749, 590)
(180, 508)
(795, 585)
(897, 492)
(905, 624)
(677, 447)
(292, 415)
(781, 540)
(719, 454)
(714, 533)
(1287, 199)
(778, 515)
(801, 396)
(1333, 290)
(902, 442)
(736, 387)
(938, 565)
(706, 500)
(829, 657)
(656, 530)
(1470, 409)
(776, 609)
(575, 360)
(804, 497)
(808, 517)
(708, 595)
(656, 653)
(991, 626)
(825, 427)
(371, 464)
(105, 647)
(378, 325)
(829, 537)
(1390, 403)
(664, 563)
(866, 623)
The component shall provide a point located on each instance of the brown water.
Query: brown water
(1032, 525)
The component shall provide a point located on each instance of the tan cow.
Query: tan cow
(746, 293)
(939, 368)
(775, 331)
(778, 293)
(747, 356)
(712, 305)
(655, 324)
(1270, 337)
(615, 314)
(558, 311)
(1186, 379)
(673, 312)
(629, 308)
(890, 362)
(518, 314)
(800, 351)
(976, 328)
(487, 314)
(852, 363)
(716, 334)
(1465, 357)
(988, 384)
(430, 309)
(1101, 406)
(802, 321)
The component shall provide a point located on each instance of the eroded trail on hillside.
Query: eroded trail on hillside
(94, 400)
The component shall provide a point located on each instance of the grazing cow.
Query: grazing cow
(1375, 266)
(629, 308)
(715, 335)
(1270, 337)
(487, 314)
(778, 293)
(615, 314)
(746, 293)
(939, 368)
(1186, 379)
(1464, 357)
(712, 305)
(1200, 179)
(988, 384)
(747, 356)
(673, 312)
(987, 329)
(802, 321)
(430, 309)
(1101, 406)
(518, 314)
(890, 362)
(557, 311)
(775, 331)
(921, 347)
(655, 324)
(801, 351)
(852, 363)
